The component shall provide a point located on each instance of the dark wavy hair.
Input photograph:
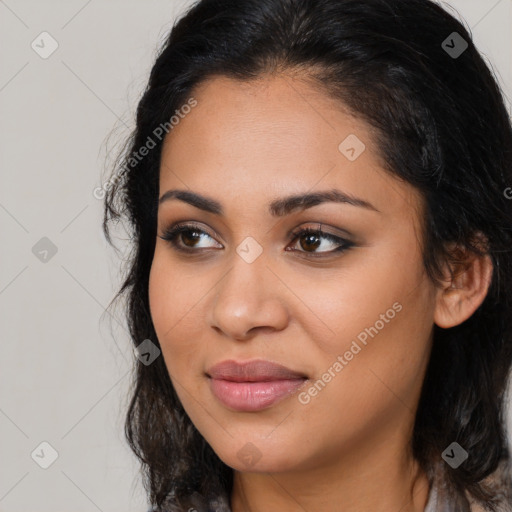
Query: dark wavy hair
(440, 123)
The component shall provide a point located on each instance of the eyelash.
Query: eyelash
(171, 234)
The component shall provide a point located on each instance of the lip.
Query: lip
(252, 385)
(257, 370)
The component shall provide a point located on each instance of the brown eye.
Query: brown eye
(311, 239)
(190, 237)
(184, 237)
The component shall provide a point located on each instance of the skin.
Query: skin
(244, 145)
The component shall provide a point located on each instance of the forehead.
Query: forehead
(277, 115)
(246, 142)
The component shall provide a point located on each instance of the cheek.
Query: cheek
(173, 295)
(159, 294)
(380, 320)
(338, 306)
(171, 304)
(178, 295)
(384, 354)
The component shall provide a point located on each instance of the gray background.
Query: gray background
(65, 365)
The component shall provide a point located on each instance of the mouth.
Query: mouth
(254, 385)
(258, 370)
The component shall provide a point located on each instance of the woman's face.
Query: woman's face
(351, 315)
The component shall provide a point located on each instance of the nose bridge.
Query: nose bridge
(247, 296)
(249, 267)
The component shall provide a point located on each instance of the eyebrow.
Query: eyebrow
(277, 208)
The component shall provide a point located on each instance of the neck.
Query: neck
(376, 479)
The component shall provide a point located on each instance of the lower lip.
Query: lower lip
(253, 396)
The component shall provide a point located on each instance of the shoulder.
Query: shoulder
(195, 502)
(500, 482)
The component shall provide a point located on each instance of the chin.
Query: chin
(257, 456)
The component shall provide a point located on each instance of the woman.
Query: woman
(317, 196)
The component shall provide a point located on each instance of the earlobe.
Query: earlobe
(461, 295)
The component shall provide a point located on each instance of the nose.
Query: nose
(249, 299)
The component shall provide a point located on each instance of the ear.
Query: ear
(460, 295)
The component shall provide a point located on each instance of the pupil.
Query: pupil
(190, 235)
(309, 238)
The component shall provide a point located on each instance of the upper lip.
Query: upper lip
(252, 371)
